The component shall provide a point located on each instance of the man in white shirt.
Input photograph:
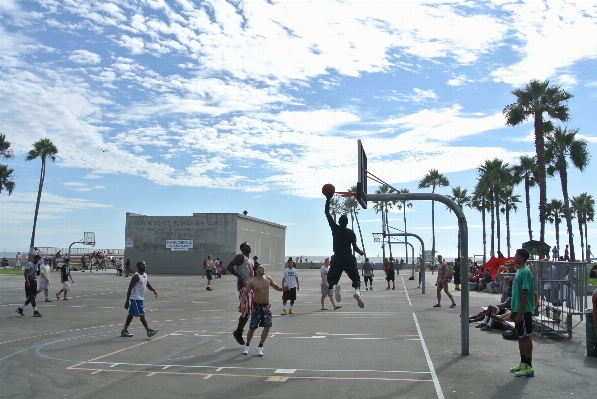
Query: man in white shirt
(325, 288)
(290, 279)
(44, 279)
(18, 260)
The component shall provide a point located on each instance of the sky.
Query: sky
(179, 107)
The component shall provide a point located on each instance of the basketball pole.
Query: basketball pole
(422, 246)
(463, 233)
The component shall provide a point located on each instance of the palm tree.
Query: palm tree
(402, 205)
(6, 176)
(533, 101)
(526, 171)
(43, 149)
(5, 150)
(461, 198)
(560, 146)
(433, 179)
(352, 205)
(509, 200)
(335, 207)
(555, 214)
(584, 208)
(383, 206)
(495, 174)
(480, 202)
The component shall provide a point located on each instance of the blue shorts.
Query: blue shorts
(136, 307)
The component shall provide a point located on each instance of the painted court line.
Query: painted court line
(438, 388)
(406, 291)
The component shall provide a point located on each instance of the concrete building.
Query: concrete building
(179, 244)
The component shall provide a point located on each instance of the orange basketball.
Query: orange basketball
(328, 190)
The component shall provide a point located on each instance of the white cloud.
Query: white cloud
(316, 121)
(541, 27)
(84, 57)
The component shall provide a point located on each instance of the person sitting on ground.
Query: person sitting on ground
(487, 323)
(593, 273)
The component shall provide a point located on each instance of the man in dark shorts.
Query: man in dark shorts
(290, 279)
(523, 307)
(261, 314)
(391, 274)
(344, 240)
(30, 275)
(367, 273)
(242, 267)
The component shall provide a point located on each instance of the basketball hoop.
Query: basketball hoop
(89, 238)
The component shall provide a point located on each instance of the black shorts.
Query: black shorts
(525, 328)
(390, 276)
(368, 278)
(208, 273)
(31, 288)
(289, 295)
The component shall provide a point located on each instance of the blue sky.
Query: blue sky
(175, 107)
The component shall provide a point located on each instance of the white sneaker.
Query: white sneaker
(357, 296)
(259, 350)
(246, 350)
(337, 295)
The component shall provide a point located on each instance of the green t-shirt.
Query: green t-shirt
(523, 281)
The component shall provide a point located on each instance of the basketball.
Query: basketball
(328, 190)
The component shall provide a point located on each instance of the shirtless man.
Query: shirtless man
(242, 267)
(442, 283)
(208, 269)
(261, 314)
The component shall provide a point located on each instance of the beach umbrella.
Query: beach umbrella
(533, 247)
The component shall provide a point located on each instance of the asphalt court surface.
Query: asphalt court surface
(398, 345)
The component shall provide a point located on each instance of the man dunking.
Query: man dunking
(261, 314)
(242, 267)
(344, 240)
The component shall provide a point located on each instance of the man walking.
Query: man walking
(44, 279)
(64, 276)
(208, 269)
(290, 279)
(391, 274)
(325, 288)
(30, 275)
(442, 282)
(261, 314)
(589, 254)
(135, 301)
(18, 260)
(523, 307)
(344, 241)
(242, 267)
(367, 273)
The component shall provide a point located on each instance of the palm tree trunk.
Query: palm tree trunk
(42, 175)
(528, 202)
(564, 180)
(492, 205)
(360, 232)
(388, 231)
(557, 222)
(582, 245)
(508, 228)
(540, 150)
(405, 238)
(497, 219)
(586, 239)
(484, 233)
(433, 230)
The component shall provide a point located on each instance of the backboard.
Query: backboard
(362, 176)
(89, 238)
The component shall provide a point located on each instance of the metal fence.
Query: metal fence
(562, 291)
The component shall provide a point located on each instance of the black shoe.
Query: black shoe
(36, 314)
(481, 325)
(487, 328)
(151, 333)
(238, 336)
(20, 311)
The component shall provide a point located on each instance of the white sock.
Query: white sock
(23, 306)
(486, 319)
(35, 308)
(290, 307)
(284, 307)
(490, 323)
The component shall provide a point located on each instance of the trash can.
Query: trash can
(591, 338)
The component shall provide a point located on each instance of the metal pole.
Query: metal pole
(462, 231)
(412, 253)
(422, 261)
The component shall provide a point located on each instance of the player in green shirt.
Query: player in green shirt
(523, 307)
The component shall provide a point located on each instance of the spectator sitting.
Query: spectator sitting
(593, 273)
(486, 316)
(483, 281)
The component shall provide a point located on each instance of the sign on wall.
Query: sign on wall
(179, 245)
